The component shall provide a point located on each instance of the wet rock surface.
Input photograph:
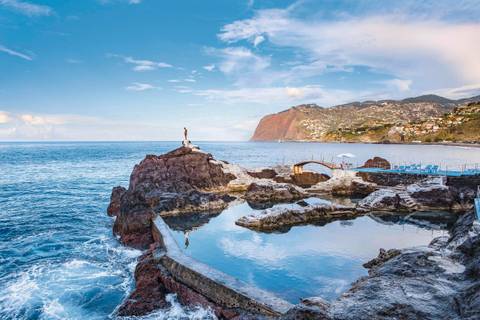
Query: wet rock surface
(281, 219)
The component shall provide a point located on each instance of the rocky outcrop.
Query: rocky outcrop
(283, 174)
(377, 162)
(306, 179)
(263, 173)
(430, 194)
(344, 183)
(152, 284)
(383, 256)
(183, 180)
(271, 192)
(391, 179)
(180, 170)
(115, 200)
(150, 290)
(381, 200)
(281, 218)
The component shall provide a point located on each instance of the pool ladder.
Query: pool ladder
(477, 203)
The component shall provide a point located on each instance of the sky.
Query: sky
(144, 69)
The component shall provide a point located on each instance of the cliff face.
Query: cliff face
(283, 125)
(370, 121)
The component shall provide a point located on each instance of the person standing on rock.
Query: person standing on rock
(185, 134)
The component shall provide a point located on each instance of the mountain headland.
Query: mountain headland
(428, 119)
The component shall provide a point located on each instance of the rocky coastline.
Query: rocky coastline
(190, 181)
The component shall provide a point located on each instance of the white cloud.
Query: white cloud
(120, 1)
(35, 120)
(294, 92)
(142, 65)
(427, 51)
(209, 67)
(15, 53)
(257, 40)
(283, 95)
(460, 92)
(4, 118)
(27, 8)
(71, 127)
(401, 85)
(190, 80)
(138, 86)
(240, 59)
(183, 89)
(254, 249)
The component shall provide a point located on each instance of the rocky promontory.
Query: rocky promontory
(183, 180)
(439, 281)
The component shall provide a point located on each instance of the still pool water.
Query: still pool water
(58, 258)
(302, 262)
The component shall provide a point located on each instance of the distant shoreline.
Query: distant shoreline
(447, 144)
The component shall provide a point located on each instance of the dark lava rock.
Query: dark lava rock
(383, 256)
(178, 171)
(265, 173)
(377, 162)
(114, 206)
(280, 219)
(176, 182)
(154, 282)
(149, 293)
(273, 193)
(307, 179)
(361, 189)
(432, 195)
(391, 179)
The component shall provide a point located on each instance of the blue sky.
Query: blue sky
(144, 69)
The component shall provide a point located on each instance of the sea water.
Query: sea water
(58, 257)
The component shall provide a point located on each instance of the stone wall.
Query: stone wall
(391, 179)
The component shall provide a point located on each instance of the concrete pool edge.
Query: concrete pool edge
(217, 286)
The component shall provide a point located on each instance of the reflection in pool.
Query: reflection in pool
(305, 261)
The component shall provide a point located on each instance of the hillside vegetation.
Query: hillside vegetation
(427, 118)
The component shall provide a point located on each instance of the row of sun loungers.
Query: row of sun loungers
(417, 168)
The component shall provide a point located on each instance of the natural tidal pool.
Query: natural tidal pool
(303, 261)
